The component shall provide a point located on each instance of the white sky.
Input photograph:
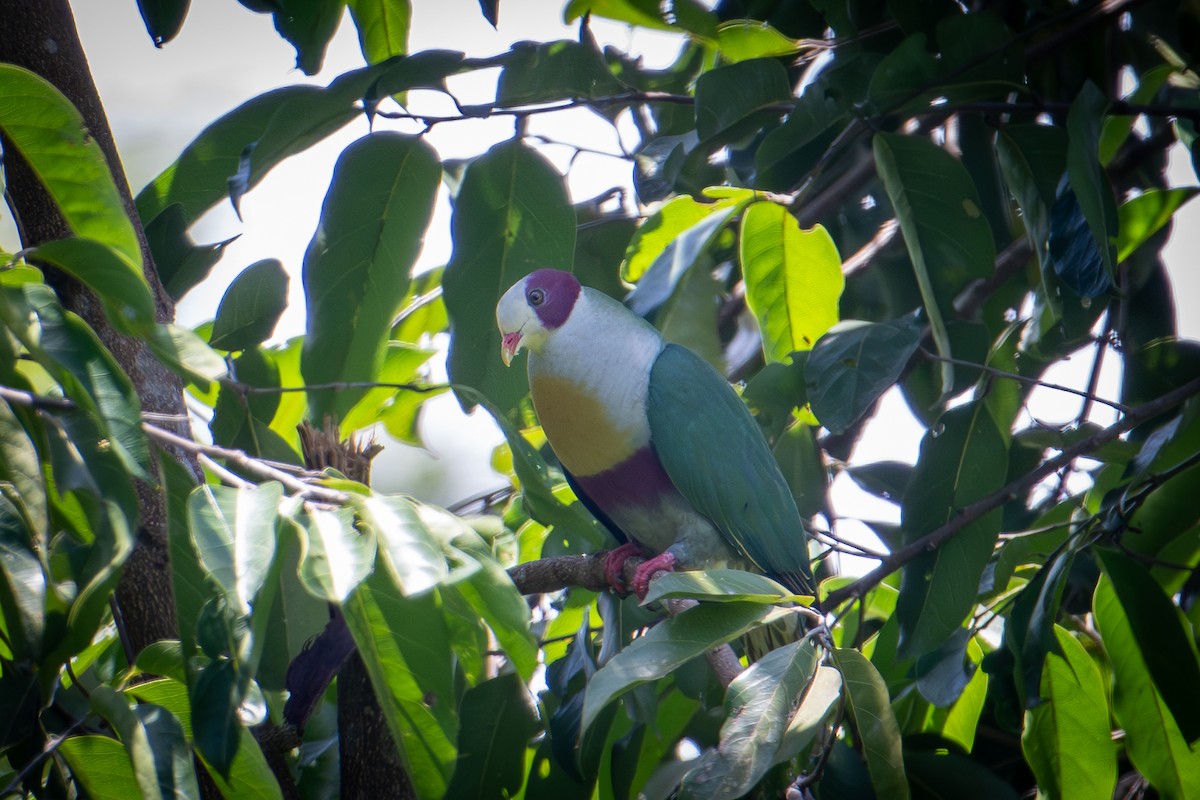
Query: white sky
(158, 100)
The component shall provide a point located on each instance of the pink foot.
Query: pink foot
(614, 565)
(664, 562)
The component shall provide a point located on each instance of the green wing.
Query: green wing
(716, 456)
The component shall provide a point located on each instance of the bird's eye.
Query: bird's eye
(536, 297)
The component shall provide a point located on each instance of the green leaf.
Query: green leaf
(728, 99)
(1085, 174)
(853, 364)
(279, 124)
(118, 283)
(668, 646)
(251, 306)
(187, 355)
(758, 709)
(1032, 158)
(102, 766)
(1144, 215)
(498, 721)
(1116, 129)
(869, 706)
(233, 531)
(823, 692)
(412, 555)
(657, 235)
(405, 648)
(382, 27)
(1153, 741)
(338, 556)
(793, 279)
(22, 581)
(963, 459)
(180, 262)
(744, 39)
(356, 269)
(720, 586)
(948, 239)
(1163, 638)
(490, 592)
(402, 363)
(665, 280)
(307, 25)
(214, 700)
(511, 216)
(250, 776)
(682, 15)
(1066, 739)
(161, 759)
(163, 18)
(72, 353)
(906, 76)
(50, 135)
(544, 72)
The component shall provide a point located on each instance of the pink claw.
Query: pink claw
(614, 565)
(664, 562)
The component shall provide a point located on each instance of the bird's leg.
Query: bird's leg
(664, 562)
(614, 565)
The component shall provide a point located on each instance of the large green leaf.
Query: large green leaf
(758, 709)
(181, 263)
(1143, 216)
(50, 135)
(511, 216)
(543, 72)
(357, 267)
(412, 555)
(118, 283)
(249, 776)
(498, 720)
(72, 353)
(870, 707)
(153, 737)
(102, 766)
(1066, 739)
(743, 39)
(22, 581)
(853, 364)
(1032, 158)
(963, 459)
(668, 646)
(233, 532)
(823, 692)
(251, 306)
(1152, 738)
(659, 232)
(308, 26)
(948, 239)
(720, 586)
(728, 99)
(279, 124)
(382, 27)
(684, 15)
(405, 648)
(1163, 638)
(793, 279)
(338, 556)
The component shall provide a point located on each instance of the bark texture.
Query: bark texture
(42, 38)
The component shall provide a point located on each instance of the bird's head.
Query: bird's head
(533, 308)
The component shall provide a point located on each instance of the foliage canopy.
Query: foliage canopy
(828, 200)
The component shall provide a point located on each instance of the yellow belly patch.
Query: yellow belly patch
(580, 429)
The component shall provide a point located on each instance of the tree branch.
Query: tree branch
(974, 511)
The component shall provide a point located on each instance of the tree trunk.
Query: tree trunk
(42, 38)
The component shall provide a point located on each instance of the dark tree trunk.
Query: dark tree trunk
(42, 38)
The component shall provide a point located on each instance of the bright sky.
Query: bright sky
(158, 100)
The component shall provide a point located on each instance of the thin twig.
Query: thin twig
(974, 511)
(247, 462)
(1002, 373)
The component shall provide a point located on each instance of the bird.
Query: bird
(654, 441)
